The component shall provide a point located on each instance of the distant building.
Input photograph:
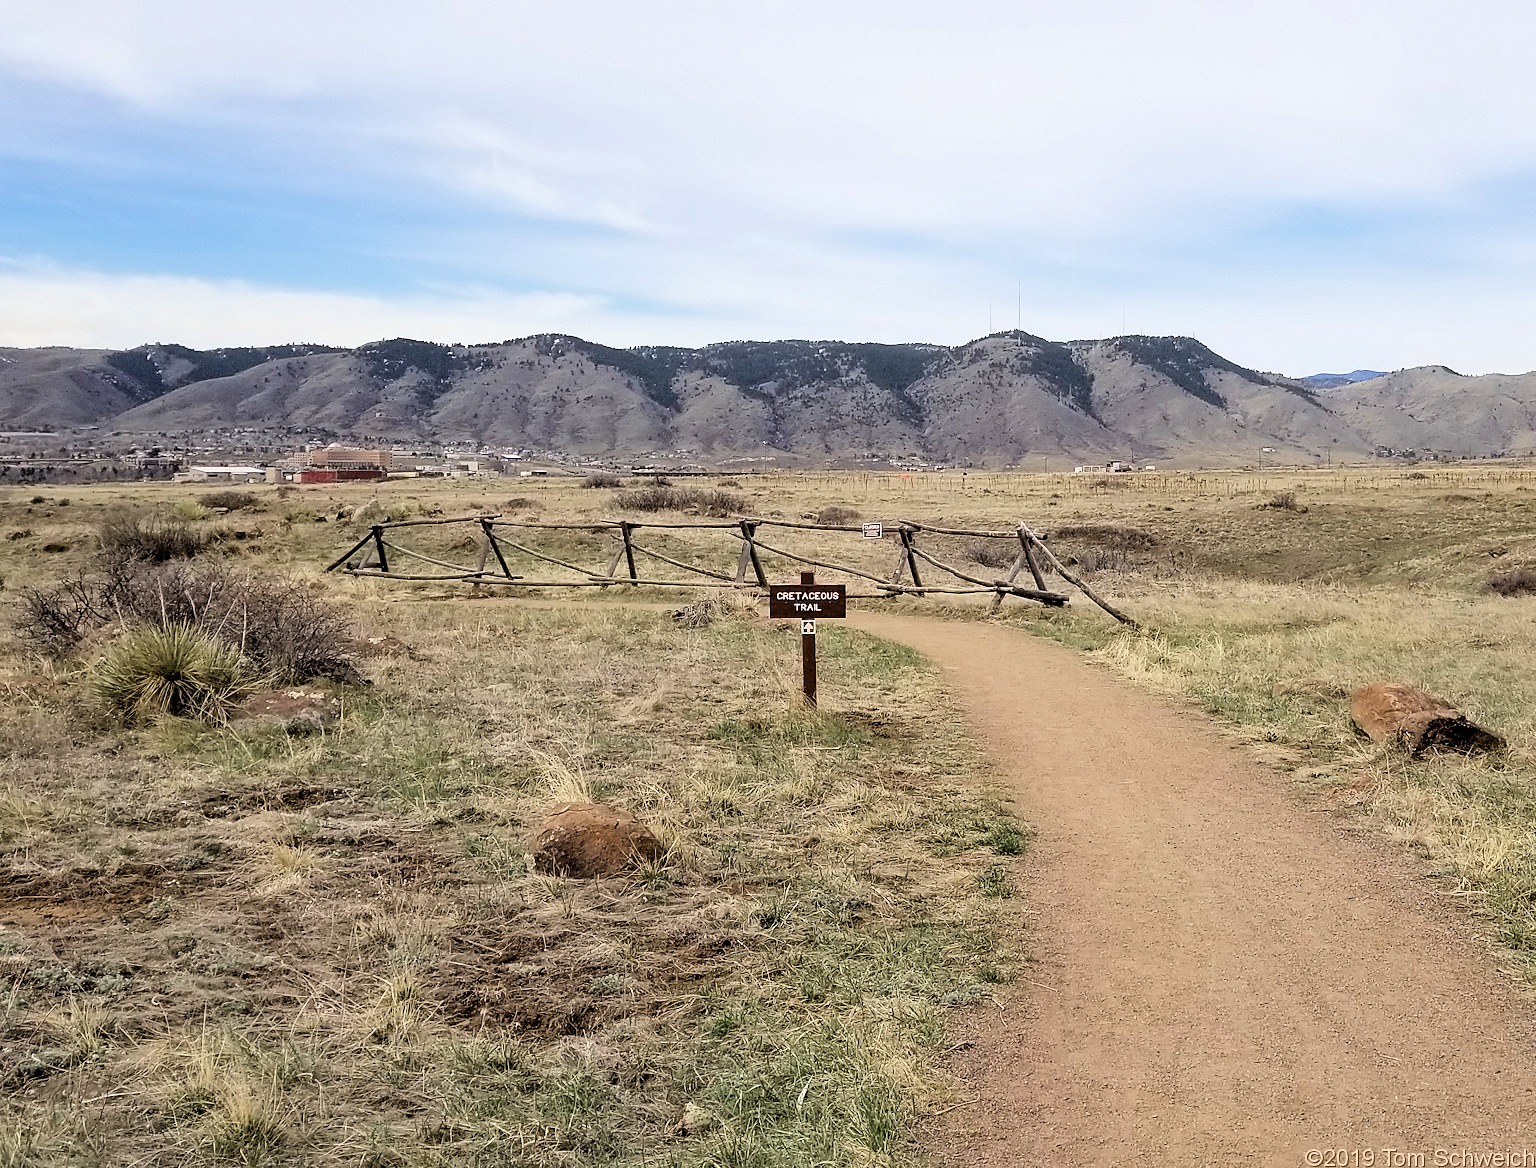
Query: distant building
(335, 464)
(223, 474)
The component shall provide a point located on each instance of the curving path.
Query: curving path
(1224, 977)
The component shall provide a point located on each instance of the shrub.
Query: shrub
(1515, 582)
(230, 501)
(177, 671)
(715, 503)
(276, 623)
(602, 480)
(651, 499)
(837, 516)
(189, 511)
(1282, 501)
(55, 620)
(731, 484)
(991, 553)
(154, 538)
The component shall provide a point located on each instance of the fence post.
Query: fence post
(629, 548)
(359, 546)
(907, 535)
(749, 556)
(613, 564)
(378, 545)
(490, 538)
(1025, 559)
(1029, 558)
(1067, 575)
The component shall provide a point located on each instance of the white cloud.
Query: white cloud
(875, 168)
(41, 304)
(1287, 328)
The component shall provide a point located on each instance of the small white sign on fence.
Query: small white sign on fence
(874, 531)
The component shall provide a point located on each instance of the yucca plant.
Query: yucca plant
(175, 671)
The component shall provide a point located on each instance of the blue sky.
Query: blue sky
(1304, 185)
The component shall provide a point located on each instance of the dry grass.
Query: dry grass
(775, 991)
(330, 950)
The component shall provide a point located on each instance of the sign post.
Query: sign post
(806, 602)
(808, 660)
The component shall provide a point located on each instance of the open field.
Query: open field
(237, 945)
(226, 945)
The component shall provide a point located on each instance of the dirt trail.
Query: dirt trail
(1225, 977)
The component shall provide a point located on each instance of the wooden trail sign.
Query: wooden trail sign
(806, 602)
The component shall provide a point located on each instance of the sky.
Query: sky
(1305, 186)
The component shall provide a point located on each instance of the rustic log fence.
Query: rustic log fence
(372, 555)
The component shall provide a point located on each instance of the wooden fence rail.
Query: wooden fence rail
(370, 557)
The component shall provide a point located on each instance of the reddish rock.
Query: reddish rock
(591, 839)
(1387, 711)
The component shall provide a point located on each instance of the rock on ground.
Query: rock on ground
(1387, 711)
(591, 839)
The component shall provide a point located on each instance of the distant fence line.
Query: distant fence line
(371, 555)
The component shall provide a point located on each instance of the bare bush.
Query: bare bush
(150, 537)
(651, 499)
(991, 553)
(719, 504)
(1282, 501)
(275, 622)
(1515, 582)
(837, 516)
(230, 501)
(54, 620)
(602, 480)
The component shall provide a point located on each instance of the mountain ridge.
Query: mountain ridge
(993, 401)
